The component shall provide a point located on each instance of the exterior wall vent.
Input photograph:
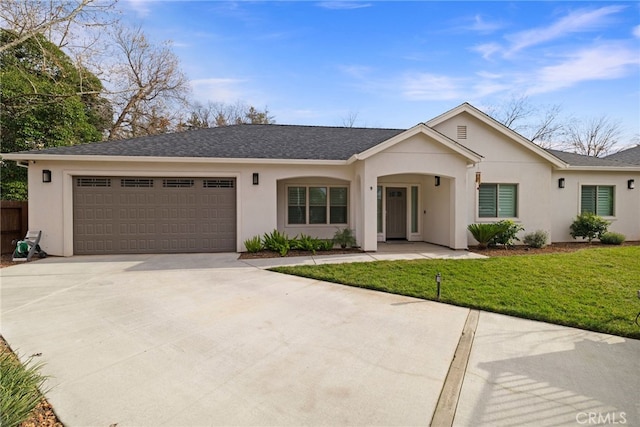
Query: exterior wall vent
(462, 132)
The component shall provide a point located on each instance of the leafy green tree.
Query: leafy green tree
(46, 101)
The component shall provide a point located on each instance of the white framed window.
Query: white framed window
(317, 204)
(498, 201)
(597, 199)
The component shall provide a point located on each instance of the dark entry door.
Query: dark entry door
(396, 213)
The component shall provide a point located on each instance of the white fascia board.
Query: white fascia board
(150, 159)
(417, 129)
(473, 111)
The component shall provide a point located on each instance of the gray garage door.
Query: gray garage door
(114, 215)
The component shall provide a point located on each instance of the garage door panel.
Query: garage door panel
(153, 215)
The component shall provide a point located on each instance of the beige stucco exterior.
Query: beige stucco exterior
(411, 160)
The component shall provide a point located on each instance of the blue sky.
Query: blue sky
(399, 63)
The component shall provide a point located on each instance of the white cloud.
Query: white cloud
(636, 31)
(603, 62)
(487, 49)
(480, 25)
(578, 21)
(488, 75)
(343, 5)
(141, 7)
(218, 89)
(431, 87)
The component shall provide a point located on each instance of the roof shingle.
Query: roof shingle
(242, 141)
(574, 159)
(630, 155)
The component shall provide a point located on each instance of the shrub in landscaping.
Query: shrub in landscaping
(325, 244)
(507, 234)
(484, 233)
(305, 242)
(19, 389)
(588, 226)
(276, 242)
(537, 239)
(344, 238)
(611, 238)
(253, 244)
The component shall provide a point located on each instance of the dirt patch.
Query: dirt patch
(550, 249)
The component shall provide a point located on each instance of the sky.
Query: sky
(394, 64)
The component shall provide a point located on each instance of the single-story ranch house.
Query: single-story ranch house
(209, 190)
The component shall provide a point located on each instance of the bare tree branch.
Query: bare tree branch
(350, 119)
(33, 17)
(218, 114)
(147, 82)
(542, 125)
(593, 137)
(547, 128)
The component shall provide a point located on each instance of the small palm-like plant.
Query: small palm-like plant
(484, 233)
(253, 244)
(277, 241)
(344, 238)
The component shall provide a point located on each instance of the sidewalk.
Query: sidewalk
(386, 252)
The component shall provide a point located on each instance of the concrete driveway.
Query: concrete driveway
(190, 340)
(207, 340)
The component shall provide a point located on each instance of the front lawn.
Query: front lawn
(594, 289)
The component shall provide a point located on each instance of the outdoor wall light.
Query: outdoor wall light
(46, 175)
(256, 178)
(631, 184)
(437, 181)
(561, 183)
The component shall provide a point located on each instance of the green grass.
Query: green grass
(593, 289)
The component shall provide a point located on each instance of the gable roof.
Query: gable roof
(574, 159)
(630, 155)
(490, 121)
(286, 142)
(421, 128)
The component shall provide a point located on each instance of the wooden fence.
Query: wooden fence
(14, 222)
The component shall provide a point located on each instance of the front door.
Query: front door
(396, 213)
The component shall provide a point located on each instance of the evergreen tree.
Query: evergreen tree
(45, 101)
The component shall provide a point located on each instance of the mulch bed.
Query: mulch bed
(294, 253)
(491, 252)
(549, 249)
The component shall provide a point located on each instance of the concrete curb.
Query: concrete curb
(448, 402)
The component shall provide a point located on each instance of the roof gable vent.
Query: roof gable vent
(462, 132)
